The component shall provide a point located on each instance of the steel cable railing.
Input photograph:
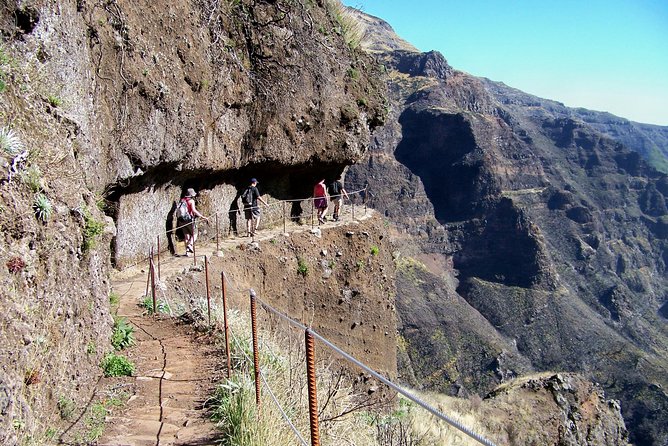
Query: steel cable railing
(454, 423)
(273, 396)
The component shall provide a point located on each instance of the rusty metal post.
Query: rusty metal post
(284, 219)
(312, 210)
(148, 275)
(227, 327)
(158, 253)
(155, 303)
(208, 294)
(366, 194)
(312, 388)
(194, 252)
(353, 210)
(217, 231)
(256, 353)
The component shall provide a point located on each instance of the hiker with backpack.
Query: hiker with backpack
(186, 212)
(320, 199)
(249, 198)
(336, 193)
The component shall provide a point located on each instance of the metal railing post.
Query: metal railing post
(312, 388)
(312, 211)
(284, 218)
(155, 303)
(227, 327)
(208, 294)
(194, 252)
(148, 275)
(366, 194)
(256, 353)
(353, 210)
(217, 238)
(158, 253)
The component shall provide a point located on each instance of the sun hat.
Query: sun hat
(191, 192)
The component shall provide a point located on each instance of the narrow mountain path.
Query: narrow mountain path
(176, 368)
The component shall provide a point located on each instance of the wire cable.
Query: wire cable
(454, 423)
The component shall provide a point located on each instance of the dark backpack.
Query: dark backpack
(247, 197)
(335, 188)
(182, 212)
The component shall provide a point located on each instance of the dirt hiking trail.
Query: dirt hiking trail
(176, 367)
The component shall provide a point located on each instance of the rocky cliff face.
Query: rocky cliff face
(532, 240)
(116, 107)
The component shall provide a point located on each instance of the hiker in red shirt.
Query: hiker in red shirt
(320, 199)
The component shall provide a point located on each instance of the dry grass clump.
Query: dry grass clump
(283, 367)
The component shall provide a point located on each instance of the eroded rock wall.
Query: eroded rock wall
(121, 105)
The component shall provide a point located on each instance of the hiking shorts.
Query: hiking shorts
(252, 213)
(320, 203)
(188, 228)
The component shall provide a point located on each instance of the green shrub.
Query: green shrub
(122, 335)
(374, 250)
(92, 229)
(147, 305)
(114, 299)
(302, 267)
(117, 365)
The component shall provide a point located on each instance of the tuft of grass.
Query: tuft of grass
(374, 250)
(54, 101)
(348, 27)
(123, 334)
(10, 143)
(91, 348)
(66, 407)
(95, 422)
(32, 177)
(302, 267)
(234, 411)
(116, 365)
(42, 207)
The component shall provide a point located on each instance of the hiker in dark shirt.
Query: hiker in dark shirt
(336, 194)
(250, 197)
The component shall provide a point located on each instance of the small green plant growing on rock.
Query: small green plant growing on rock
(32, 177)
(114, 299)
(92, 229)
(116, 365)
(54, 101)
(91, 348)
(42, 207)
(10, 143)
(374, 250)
(302, 267)
(123, 334)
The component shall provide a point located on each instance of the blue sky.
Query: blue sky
(603, 55)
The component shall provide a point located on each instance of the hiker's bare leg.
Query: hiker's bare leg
(256, 221)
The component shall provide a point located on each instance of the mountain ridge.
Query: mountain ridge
(550, 229)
